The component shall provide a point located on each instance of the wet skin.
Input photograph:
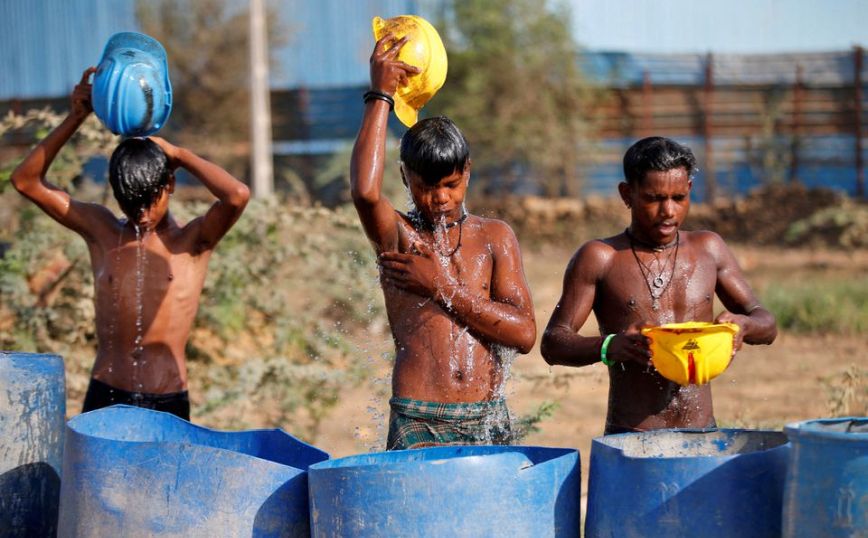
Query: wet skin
(172, 258)
(604, 277)
(452, 293)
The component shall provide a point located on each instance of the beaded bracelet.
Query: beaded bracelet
(604, 350)
(374, 94)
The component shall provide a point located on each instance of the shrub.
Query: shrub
(831, 306)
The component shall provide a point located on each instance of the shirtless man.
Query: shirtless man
(148, 270)
(454, 286)
(649, 275)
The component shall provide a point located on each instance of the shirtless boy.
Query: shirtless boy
(652, 273)
(148, 270)
(454, 286)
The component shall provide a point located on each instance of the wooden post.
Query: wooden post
(796, 140)
(857, 85)
(646, 104)
(260, 105)
(707, 130)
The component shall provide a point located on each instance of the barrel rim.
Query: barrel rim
(360, 461)
(72, 425)
(812, 429)
(600, 443)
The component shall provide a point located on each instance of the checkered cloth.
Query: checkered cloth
(418, 424)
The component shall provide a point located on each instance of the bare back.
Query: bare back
(147, 296)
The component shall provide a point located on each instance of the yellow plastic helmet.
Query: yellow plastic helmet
(693, 352)
(424, 50)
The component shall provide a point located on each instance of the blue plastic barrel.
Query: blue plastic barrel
(131, 472)
(32, 412)
(826, 491)
(687, 483)
(448, 491)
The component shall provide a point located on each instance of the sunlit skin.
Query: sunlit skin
(444, 320)
(173, 262)
(604, 277)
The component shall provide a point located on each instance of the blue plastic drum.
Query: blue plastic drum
(826, 491)
(32, 412)
(136, 472)
(687, 483)
(462, 491)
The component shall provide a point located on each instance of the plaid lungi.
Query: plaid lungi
(418, 424)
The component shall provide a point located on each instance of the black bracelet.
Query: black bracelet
(374, 94)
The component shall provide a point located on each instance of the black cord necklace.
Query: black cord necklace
(652, 246)
(657, 282)
(419, 222)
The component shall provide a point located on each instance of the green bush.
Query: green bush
(824, 305)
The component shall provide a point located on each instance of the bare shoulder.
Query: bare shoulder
(594, 257)
(493, 229)
(97, 223)
(187, 238)
(708, 242)
(598, 250)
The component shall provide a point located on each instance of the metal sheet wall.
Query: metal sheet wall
(330, 41)
(46, 44)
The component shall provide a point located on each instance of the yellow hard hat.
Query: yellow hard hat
(693, 352)
(424, 50)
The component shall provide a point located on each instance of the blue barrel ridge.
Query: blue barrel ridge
(32, 414)
(826, 492)
(132, 472)
(448, 491)
(718, 483)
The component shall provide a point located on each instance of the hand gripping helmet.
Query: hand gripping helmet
(132, 94)
(692, 352)
(424, 50)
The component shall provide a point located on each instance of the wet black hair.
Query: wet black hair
(659, 154)
(138, 173)
(434, 148)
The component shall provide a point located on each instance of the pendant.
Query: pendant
(658, 282)
(655, 304)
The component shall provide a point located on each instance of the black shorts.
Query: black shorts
(100, 395)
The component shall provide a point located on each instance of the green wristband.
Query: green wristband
(604, 350)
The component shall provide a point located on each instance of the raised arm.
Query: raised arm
(369, 152)
(232, 195)
(561, 342)
(29, 177)
(757, 325)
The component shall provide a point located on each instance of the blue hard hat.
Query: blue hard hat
(132, 94)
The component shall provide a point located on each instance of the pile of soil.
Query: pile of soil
(781, 215)
(766, 215)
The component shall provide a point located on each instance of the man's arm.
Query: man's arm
(757, 325)
(232, 195)
(29, 177)
(369, 152)
(505, 318)
(561, 342)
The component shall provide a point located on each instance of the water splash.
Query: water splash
(141, 268)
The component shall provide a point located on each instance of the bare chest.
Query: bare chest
(667, 287)
(148, 273)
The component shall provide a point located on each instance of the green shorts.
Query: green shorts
(418, 424)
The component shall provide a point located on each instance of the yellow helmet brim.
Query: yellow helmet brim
(692, 352)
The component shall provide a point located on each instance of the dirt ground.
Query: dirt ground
(765, 387)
